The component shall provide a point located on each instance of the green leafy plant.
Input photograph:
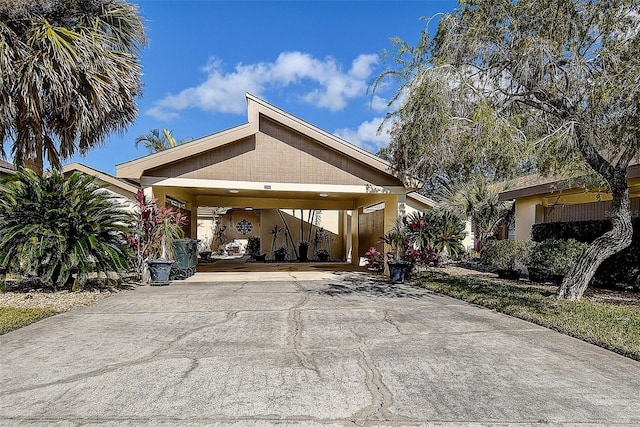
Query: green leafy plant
(154, 230)
(504, 254)
(438, 231)
(61, 230)
(553, 258)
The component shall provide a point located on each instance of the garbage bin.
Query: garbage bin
(186, 257)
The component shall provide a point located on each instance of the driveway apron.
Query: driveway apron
(304, 348)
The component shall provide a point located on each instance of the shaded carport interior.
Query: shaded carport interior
(277, 161)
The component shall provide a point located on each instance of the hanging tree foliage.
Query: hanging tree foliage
(558, 79)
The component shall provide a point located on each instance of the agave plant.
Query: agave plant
(54, 228)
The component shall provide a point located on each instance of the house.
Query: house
(6, 169)
(126, 190)
(270, 173)
(551, 199)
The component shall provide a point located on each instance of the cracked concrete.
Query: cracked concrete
(304, 348)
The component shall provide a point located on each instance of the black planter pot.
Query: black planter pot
(508, 274)
(205, 255)
(304, 253)
(279, 257)
(398, 271)
(159, 270)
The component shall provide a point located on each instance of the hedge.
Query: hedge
(622, 270)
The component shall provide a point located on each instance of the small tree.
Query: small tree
(556, 80)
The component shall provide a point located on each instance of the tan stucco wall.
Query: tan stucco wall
(528, 209)
(526, 216)
(183, 195)
(279, 155)
(330, 218)
(394, 205)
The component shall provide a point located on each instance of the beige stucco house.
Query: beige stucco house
(6, 169)
(551, 199)
(273, 170)
(122, 188)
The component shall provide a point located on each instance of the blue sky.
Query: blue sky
(313, 59)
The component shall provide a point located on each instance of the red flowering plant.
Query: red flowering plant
(423, 238)
(156, 229)
(374, 262)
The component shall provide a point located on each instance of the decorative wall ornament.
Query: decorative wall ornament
(244, 227)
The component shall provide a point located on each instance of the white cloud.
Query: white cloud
(379, 104)
(224, 91)
(366, 134)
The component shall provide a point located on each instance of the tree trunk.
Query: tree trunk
(610, 243)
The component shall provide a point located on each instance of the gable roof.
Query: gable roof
(256, 108)
(123, 187)
(536, 184)
(6, 168)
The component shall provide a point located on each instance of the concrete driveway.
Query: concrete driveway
(304, 348)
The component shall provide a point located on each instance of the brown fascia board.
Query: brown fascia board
(135, 169)
(422, 199)
(328, 139)
(103, 176)
(7, 167)
(555, 186)
(314, 132)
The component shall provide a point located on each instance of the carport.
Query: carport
(275, 169)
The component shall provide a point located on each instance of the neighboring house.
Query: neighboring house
(277, 164)
(541, 200)
(126, 190)
(6, 169)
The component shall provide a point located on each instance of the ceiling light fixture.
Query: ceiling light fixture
(234, 191)
(323, 195)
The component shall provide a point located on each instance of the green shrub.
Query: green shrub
(620, 270)
(504, 254)
(553, 257)
(55, 228)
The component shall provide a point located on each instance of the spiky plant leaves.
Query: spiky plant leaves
(56, 229)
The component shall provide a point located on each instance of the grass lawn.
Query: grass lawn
(13, 318)
(616, 328)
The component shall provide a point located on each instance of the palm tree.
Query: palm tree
(479, 202)
(56, 228)
(70, 76)
(157, 140)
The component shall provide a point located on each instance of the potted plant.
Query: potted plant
(303, 248)
(374, 262)
(253, 246)
(168, 229)
(157, 228)
(323, 255)
(204, 249)
(280, 253)
(399, 238)
(504, 255)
